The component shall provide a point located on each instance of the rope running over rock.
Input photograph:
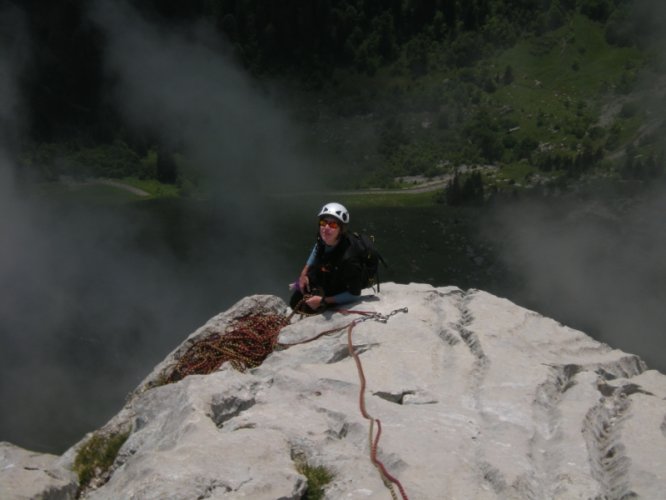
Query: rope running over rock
(387, 478)
(250, 339)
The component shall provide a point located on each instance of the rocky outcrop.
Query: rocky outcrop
(476, 397)
(35, 476)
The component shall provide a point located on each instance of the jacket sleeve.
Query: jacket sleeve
(344, 298)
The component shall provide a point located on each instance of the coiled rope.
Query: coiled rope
(250, 339)
(245, 344)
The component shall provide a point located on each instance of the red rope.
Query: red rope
(250, 339)
(245, 344)
(318, 336)
(373, 448)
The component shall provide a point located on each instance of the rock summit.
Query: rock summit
(475, 397)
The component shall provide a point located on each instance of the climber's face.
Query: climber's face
(329, 230)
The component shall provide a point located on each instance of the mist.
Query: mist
(593, 263)
(182, 84)
(93, 297)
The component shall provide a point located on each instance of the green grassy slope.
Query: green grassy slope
(550, 117)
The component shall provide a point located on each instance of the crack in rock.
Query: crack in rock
(338, 354)
(544, 446)
(549, 395)
(436, 298)
(338, 426)
(470, 338)
(602, 430)
(608, 390)
(472, 341)
(212, 490)
(394, 397)
(448, 337)
(342, 352)
(627, 367)
(480, 367)
(224, 408)
(493, 477)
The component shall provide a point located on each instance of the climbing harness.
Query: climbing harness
(250, 339)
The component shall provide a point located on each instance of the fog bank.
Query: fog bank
(596, 262)
(93, 296)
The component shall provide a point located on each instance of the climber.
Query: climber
(333, 271)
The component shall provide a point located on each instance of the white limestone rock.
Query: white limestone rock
(476, 396)
(28, 475)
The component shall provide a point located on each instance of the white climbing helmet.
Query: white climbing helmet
(335, 210)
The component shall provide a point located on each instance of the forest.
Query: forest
(424, 86)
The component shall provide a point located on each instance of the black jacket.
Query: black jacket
(338, 270)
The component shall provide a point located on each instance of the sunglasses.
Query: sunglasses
(330, 223)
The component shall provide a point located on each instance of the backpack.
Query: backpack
(363, 247)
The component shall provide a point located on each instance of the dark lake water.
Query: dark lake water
(103, 294)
